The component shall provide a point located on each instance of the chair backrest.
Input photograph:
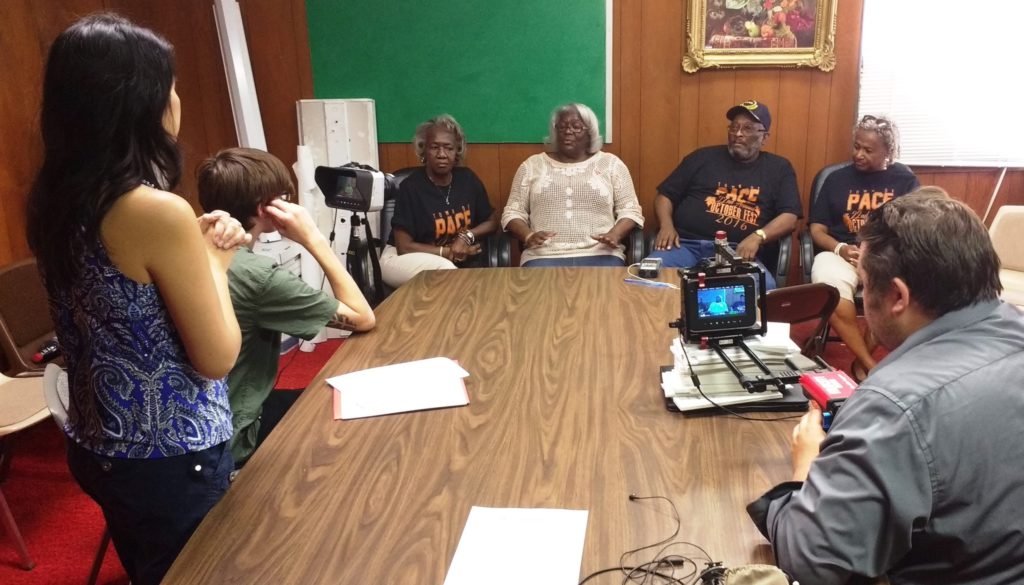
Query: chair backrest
(25, 323)
(55, 389)
(1005, 232)
(819, 179)
(389, 206)
(803, 303)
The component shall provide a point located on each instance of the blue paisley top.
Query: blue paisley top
(127, 363)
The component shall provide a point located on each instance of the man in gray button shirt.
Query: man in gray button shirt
(921, 477)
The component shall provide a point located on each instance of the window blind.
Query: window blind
(950, 75)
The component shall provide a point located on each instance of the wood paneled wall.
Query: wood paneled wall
(660, 112)
(279, 51)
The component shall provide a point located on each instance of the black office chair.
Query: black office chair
(497, 248)
(807, 249)
(778, 254)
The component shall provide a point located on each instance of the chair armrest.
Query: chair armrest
(806, 254)
(499, 250)
(635, 249)
(782, 266)
(649, 243)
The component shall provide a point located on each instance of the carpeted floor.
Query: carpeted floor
(60, 524)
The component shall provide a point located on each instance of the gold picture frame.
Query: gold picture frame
(760, 33)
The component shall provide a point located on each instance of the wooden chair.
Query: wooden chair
(1006, 238)
(801, 304)
(55, 391)
(21, 406)
(25, 323)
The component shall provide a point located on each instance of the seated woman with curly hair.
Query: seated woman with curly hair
(841, 208)
(442, 211)
(573, 205)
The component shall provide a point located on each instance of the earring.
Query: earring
(423, 160)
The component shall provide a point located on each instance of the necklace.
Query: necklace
(447, 192)
(148, 184)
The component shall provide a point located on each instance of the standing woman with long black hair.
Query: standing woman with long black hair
(138, 291)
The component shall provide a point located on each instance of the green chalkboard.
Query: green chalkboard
(498, 66)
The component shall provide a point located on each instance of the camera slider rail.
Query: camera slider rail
(756, 383)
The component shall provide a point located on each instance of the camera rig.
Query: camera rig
(723, 302)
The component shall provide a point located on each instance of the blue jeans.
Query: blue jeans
(152, 506)
(690, 252)
(603, 260)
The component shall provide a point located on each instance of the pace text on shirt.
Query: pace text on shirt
(448, 222)
(734, 206)
(860, 203)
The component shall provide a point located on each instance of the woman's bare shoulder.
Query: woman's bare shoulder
(143, 224)
(150, 211)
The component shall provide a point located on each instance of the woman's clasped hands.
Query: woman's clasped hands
(223, 231)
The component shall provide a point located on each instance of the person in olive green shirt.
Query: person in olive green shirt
(268, 300)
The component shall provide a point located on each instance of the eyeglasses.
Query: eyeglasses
(574, 128)
(745, 130)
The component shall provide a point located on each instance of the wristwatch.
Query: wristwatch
(761, 233)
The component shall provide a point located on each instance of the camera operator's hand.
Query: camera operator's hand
(749, 246)
(293, 221)
(538, 238)
(807, 438)
(667, 239)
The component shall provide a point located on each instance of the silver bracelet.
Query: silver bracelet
(839, 247)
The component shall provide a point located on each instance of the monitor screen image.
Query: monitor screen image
(726, 301)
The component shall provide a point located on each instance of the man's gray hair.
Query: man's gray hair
(443, 122)
(589, 120)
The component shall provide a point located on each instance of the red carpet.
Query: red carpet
(60, 524)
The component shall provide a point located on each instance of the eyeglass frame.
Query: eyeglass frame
(748, 130)
(563, 127)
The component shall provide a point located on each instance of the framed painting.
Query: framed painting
(760, 33)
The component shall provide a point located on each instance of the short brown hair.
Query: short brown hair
(240, 181)
(937, 245)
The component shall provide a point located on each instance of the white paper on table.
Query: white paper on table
(513, 546)
(419, 385)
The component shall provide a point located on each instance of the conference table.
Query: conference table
(566, 412)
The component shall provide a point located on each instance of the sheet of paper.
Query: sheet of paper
(405, 387)
(513, 546)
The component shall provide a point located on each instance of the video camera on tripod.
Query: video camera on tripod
(362, 189)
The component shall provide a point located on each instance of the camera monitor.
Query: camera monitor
(722, 306)
(351, 188)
